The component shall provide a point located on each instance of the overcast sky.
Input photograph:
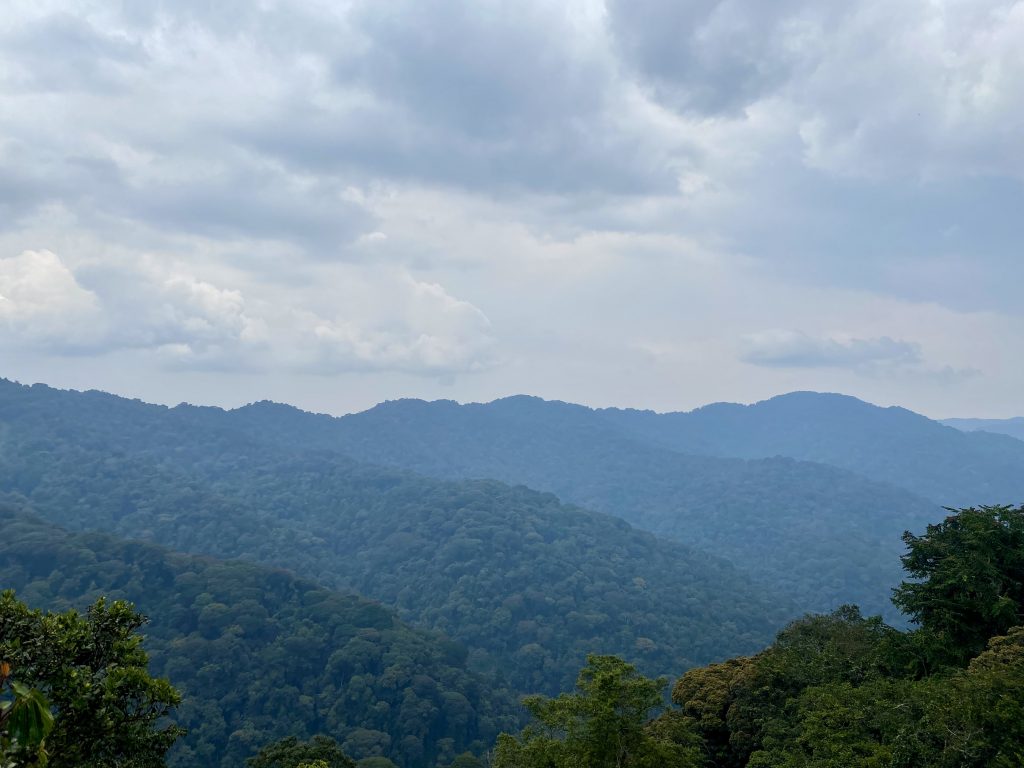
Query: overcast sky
(652, 203)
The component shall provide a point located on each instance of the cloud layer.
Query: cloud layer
(590, 199)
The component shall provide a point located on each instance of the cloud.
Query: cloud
(41, 303)
(430, 332)
(405, 189)
(714, 57)
(382, 320)
(795, 349)
(444, 94)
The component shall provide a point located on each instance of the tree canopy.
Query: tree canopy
(835, 690)
(259, 655)
(968, 573)
(604, 724)
(92, 670)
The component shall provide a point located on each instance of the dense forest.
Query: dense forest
(529, 585)
(258, 655)
(825, 535)
(832, 690)
(367, 590)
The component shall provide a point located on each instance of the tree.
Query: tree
(969, 579)
(25, 722)
(466, 760)
(92, 670)
(604, 725)
(318, 752)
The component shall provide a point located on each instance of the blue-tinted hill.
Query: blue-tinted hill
(1013, 427)
(528, 584)
(892, 445)
(821, 534)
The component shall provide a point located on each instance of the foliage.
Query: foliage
(465, 760)
(92, 669)
(319, 752)
(259, 655)
(25, 722)
(844, 690)
(969, 577)
(825, 535)
(603, 725)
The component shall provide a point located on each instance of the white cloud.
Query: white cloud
(42, 303)
(413, 326)
(362, 318)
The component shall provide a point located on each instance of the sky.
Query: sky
(646, 203)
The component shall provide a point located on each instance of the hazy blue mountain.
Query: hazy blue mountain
(819, 534)
(893, 445)
(529, 584)
(258, 654)
(1013, 427)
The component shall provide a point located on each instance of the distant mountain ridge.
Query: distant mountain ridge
(1014, 427)
(818, 533)
(892, 445)
(807, 492)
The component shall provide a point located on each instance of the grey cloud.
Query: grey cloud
(795, 349)
(247, 202)
(225, 197)
(954, 243)
(493, 69)
(64, 52)
(490, 96)
(384, 142)
(713, 56)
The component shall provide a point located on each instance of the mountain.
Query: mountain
(891, 445)
(819, 534)
(530, 585)
(258, 654)
(1013, 427)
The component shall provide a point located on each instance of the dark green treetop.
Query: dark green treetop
(968, 576)
(292, 753)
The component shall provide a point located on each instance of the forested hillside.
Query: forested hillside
(893, 445)
(258, 654)
(832, 691)
(1013, 427)
(530, 585)
(824, 535)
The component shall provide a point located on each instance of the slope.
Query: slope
(821, 535)
(258, 654)
(529, 584)
(892, 445)
(1013, 427)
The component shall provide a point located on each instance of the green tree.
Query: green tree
(604, 725)
(92, 669)
(25, 722)
(968, 576)
(318, 752)
(466, 760)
